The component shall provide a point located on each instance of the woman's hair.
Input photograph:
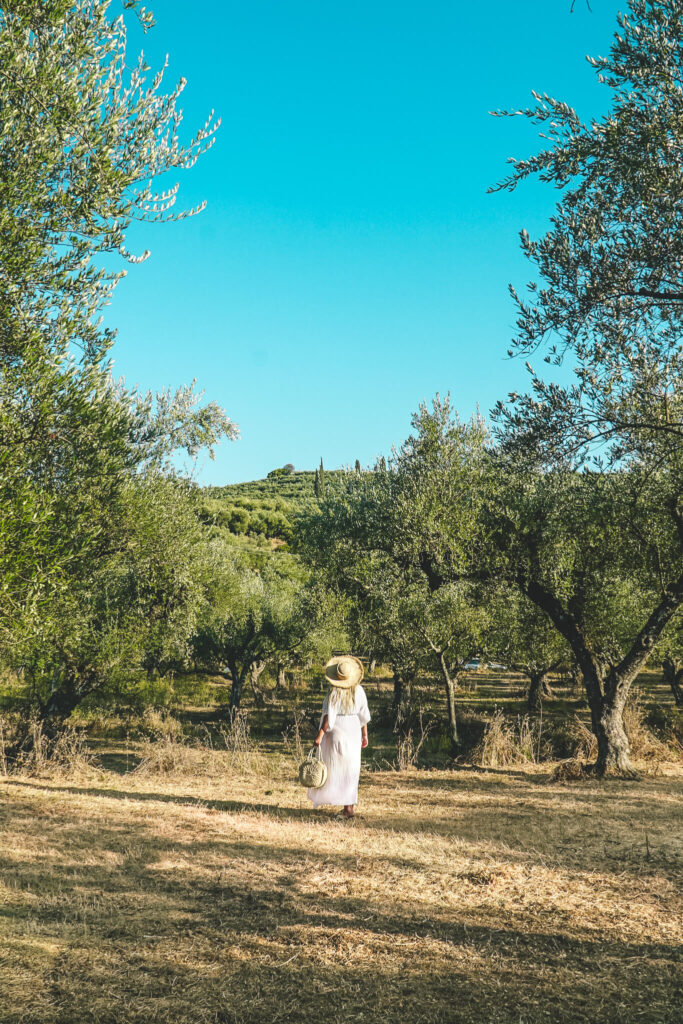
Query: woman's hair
(343, 699)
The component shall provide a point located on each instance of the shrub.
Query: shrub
(238, 521)
(408, 748)
(160, 725)
(230, 750)
(292, 740)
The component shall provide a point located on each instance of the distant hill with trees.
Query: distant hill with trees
(267, 508)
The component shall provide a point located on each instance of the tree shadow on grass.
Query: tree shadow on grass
(213, 916)
(506, 826)
(206, 877)
(183, 800)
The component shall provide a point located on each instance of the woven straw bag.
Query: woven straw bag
(313, 771)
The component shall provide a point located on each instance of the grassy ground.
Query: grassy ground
(215, 895)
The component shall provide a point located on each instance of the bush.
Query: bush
(230, 750)
(238, 521)
(158, 724)
(257, 526)
(408, 748)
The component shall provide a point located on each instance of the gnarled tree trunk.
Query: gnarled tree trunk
(399, 690)
(539, 687)
(607, 698)
(256, 670)
(238, 679)
(575, 679)
(535, 697)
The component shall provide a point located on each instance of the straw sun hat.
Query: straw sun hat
(344, 671)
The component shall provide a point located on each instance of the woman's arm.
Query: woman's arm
(364, 736)
(323, 729)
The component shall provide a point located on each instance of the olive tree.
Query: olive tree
(397, 540)
(84, 133)
(524, 636)
(256, 616)
(128, 608)
(610, 305)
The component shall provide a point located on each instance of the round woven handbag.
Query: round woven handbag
(313, 771)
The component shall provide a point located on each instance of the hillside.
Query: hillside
(264, 508)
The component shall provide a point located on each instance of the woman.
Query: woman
(343, 731)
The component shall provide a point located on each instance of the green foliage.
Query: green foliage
(125, 607)
(601, 552)
(84, 133)
(319, 482)
(611, 262)
(396, 544)
(265, 508)
(254, 617)
(96, 539)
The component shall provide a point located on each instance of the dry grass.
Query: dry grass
(465, 896)
(507, 743)
(34, 753)
(644, 744)
(228, 751)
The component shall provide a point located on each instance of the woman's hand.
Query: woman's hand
(321, 732)
(364, 738)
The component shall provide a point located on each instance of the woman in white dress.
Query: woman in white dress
(343, 732)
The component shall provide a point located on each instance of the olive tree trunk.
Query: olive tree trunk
(607, 689)
(256, 670)
(607, 699)
(450, 687)
(539, 687)
(403, 681)
(239, 676)
(281, 677)
(535, 696)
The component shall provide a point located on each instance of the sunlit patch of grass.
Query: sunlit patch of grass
(456, 896)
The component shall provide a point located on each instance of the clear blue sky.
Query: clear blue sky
(349, 263)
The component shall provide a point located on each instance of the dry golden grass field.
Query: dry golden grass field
(468, 895)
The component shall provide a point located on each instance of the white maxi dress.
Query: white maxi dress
(340, 749)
